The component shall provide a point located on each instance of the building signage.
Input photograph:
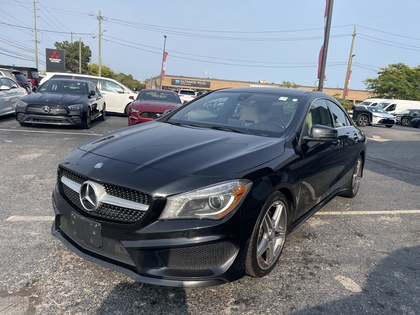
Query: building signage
(192, 83)
(56, 61)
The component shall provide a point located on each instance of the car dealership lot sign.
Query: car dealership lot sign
(56, 60)
(195, 83)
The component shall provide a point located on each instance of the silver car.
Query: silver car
(10, 93)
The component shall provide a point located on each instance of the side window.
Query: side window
(391, 107)
(110, 86)
(339, 116)
(318, 115)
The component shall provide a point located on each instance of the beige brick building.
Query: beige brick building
(203, 84)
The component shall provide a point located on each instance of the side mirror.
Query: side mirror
(34, 89)
(131, 97)
(92, 93)
(323, 134)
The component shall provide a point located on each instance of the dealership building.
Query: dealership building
(203, 85)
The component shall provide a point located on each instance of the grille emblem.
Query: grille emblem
(46, 109)
(90, 195)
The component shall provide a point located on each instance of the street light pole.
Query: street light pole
(163, 60)
(346, 83)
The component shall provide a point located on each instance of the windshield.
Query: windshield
(64, 87)
(376, 109)
(383, 105)
(187, 92)
(262, 114)
(158, 96)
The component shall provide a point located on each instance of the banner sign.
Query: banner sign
(192, 83)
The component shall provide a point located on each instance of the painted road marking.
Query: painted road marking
(54, 132)
(21, 218)
(368, 212)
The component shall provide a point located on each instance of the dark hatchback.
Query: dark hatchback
(62, 102)
(207, 193)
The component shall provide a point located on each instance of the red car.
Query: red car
(151, 104)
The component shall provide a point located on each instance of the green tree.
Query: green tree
(93, 69)
(288, 84)
(397, 81)
(72, 55)
(126, 79)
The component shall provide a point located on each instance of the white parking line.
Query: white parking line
(17, 218)
(53, 132)
(372, 212)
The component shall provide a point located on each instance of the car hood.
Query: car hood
(384, 115)
(153, 105)
(186, 151)
(54, 98)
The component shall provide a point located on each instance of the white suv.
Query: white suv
(186, 95)
(118, 97)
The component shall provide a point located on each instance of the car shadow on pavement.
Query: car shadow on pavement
(139, 298)
(392, 288)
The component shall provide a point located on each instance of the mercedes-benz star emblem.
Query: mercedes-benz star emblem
(90, 195)
(46, 109)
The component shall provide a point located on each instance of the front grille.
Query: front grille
(197, 257)
(53, 109)
(152, 115)
(387, 121)
(106, 212)
(110, 248)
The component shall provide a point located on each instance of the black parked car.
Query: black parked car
(207, 194)
(415, 122)
(62, 102)
(405, 117)
(372, 115)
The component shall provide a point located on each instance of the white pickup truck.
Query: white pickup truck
(186, 95)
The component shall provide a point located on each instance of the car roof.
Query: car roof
(70, 80)
(274, 90)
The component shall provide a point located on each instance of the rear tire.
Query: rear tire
(389, 126)
(268, 237)
(354, 183)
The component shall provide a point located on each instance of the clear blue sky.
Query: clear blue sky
(246, 40)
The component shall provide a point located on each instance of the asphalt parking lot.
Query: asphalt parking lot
(355, 256)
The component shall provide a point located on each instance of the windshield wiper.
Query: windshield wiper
(225, 128)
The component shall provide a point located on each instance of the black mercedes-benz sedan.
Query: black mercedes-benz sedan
(207, 193)
(70, 102)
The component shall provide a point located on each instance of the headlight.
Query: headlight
(21, 104)
(133, 110)
(75, 107)
(212, 202)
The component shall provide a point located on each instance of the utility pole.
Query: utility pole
(346, 83)
(163, 60)
(35, 37)
(80, 55)
(327, 27)
(100, 18)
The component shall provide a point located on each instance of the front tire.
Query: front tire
(268, 237)
(406, 121)
(354, 184)
(362, 120)
(87, 123)
(103, 113)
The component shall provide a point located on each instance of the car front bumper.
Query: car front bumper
(73, 118)
(168, 253)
